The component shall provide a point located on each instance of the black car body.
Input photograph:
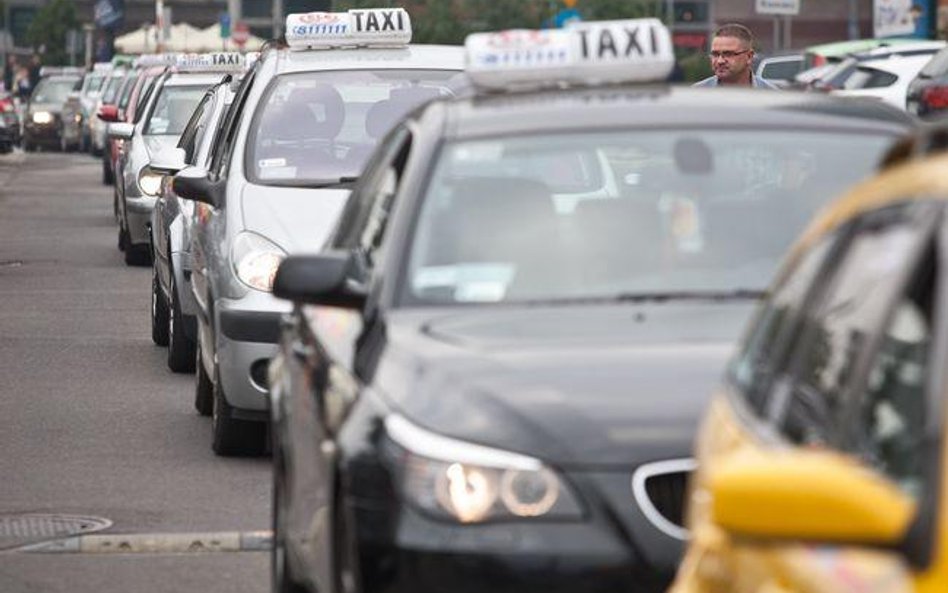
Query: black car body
(386, 384)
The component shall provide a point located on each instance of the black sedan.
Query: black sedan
(491, 379)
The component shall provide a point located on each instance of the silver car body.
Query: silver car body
(171, 217)
(134, 205)
(237, 325)
(79, 111)
(97, 126)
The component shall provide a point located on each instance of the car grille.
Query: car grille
(659, 490)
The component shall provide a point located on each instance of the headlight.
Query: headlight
(471, 483)
(149, 182)
(42, 117)
(256, 260)
(77, 118)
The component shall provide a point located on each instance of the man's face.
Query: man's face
(731, 59)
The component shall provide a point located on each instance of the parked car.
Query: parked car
(79, 110)
(174, 310)
(886, 79)
(780, 69)
(821, 459)
(10, 116)
(491, 375)
(107, 97)
(828, 53)
(303, 124)
(927, 95)
(43, 116)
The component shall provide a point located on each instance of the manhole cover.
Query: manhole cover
(24, 529)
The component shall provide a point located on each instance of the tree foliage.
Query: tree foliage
(47, 33)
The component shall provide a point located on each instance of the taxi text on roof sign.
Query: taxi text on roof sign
(585, 54)
(376, 27)
(210, 62)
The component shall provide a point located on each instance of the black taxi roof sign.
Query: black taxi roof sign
(584, 54)
(371, 27)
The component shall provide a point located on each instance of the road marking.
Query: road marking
(156, 543)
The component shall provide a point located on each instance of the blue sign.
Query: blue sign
(566, 16)
(225, 25)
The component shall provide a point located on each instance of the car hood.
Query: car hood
(612, 385)
(155, 144)
(50, 107)
(296, 219)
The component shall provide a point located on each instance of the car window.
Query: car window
(53, 90)
(126, 92)
(619, 213)
(173, 107)
(141, 101)
(314, 127)
(93, 83)
(865, 77)
(193, 130)
(224, 144)
(763, 352)
(110, 95)
(781, 70)
(892, 412)
(836, 331)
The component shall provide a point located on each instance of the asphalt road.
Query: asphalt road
(91, 420)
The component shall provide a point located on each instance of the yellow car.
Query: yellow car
(822, 460)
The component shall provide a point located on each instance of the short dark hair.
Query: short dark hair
(736, 30)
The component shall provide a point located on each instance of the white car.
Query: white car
(886, 79)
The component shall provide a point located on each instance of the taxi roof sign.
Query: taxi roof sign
(149, 60)
(211, 62)
(587, 53)
(371, 27)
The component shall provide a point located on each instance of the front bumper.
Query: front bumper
(42, 133)
(425, 556)
(246, 341)
(138, 217)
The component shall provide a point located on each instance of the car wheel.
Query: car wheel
(232, 436)
(281, 580)
(135, 255)
(181, 348)
(203, 386)
(159, 311)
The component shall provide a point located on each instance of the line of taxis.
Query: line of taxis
(474, 302)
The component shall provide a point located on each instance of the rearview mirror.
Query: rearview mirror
(193, 183)
(121, 130)
(169, 160)
(324, 279)
(108, 113)
(811, 495)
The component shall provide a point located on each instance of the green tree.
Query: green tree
(47, 32)
(596, 10)
(438, 22)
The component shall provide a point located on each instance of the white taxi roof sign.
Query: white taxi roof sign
(211, 62)
(370, 27)
(149, 60)
(587, 53)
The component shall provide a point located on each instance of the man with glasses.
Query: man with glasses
(732, 59)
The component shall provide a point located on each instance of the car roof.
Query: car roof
(901, 65)
(921, 47)
(662, 107)
(921, 179)
(840, 48)
(421, 56)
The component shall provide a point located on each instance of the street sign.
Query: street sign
(241, 33)
(777, 7)
(225, 25)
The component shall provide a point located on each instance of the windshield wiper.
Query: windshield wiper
(738, 294)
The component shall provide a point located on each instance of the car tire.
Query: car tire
(135, 255)
(280, 578)
(181, 349)
(159, 312)
(234, 437)
(203, 385)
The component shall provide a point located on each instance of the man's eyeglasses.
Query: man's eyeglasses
(727, 55)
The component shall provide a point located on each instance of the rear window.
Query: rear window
(865, 77)
(782, 70)
(937, 66)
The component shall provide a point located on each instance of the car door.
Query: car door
(871, 320)
(320, 351)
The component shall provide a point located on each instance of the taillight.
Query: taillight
(818, 60)
(935, 97)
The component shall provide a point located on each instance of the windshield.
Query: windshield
(315, 127)
(112, 88)
(619, 214)
(53, 90)
(93, 83)
(173, 108)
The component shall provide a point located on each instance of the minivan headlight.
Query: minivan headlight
(42, 117)
(256, 260)
(470, 483)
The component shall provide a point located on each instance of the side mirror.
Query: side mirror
(108, 113)
(324, 279)
(811, 495)
(193, 183)
(169, 160)
(121, 130)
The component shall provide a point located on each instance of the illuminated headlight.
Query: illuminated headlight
(42, 117)
(77, 118)
(149, 182)
(256, 260)
(471, 483)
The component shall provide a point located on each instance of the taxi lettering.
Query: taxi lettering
(368, 21)
(603, 43)
(225, 60)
